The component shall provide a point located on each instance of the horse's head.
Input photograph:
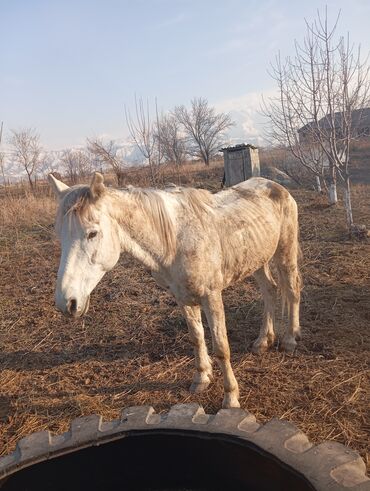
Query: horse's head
(89, 240)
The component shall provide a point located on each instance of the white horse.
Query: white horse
(195, 244)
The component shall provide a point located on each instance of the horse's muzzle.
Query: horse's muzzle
(76, 309)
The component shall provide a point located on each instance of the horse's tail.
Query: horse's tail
(289, 257)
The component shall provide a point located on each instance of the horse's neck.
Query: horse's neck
(138, 235)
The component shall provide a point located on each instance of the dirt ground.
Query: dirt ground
(132, 348)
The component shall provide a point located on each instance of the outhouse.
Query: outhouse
(240, 163)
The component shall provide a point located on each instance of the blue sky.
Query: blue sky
(68, 67)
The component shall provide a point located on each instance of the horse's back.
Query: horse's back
(257, 192)
(259, 186)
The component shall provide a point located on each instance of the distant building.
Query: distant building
(360, 126)
(240, 163)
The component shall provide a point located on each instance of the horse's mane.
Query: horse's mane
(195, 202)
(153, 203)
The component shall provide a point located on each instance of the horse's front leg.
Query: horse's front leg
(214, 310)
(203, 374)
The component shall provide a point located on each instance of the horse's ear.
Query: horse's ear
(97, 187)
(57, 186)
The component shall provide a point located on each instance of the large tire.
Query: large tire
(184, 447)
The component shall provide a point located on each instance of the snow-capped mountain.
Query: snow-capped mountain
(51, 161)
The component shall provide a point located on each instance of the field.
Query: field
(132, 348)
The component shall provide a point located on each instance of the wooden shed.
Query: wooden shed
(240, 163)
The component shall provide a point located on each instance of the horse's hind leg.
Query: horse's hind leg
(268, 288)
(203, 365)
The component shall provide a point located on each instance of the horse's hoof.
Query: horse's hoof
(259, 348)
(262, 345)
(198, 387)
(288, 345)
(298, 335)
(230, 401)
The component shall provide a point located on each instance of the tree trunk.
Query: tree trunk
(348, 204)
(205, 157)
(318, 184)
(333, 198)
(178, 173)
(152, 175)
(30, 180)
(332, 188)
(121, 177)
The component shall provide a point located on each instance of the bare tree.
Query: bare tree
(50, 163)
(109, 153)
(142, 129)
(26, 151)
(172, 140)
(76, 164)
(203, 127)
(321, 94)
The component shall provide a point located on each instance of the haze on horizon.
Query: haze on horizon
(68, 67)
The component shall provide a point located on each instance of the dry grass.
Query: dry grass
(133, 347)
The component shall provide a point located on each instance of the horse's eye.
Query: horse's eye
(93, 234)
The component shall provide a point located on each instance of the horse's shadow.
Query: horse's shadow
(170, 329)
(125, 389)
(43, 360)
(243, 326)
(5, 405)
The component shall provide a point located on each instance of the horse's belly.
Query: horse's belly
(241, 271)
(242, 260)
